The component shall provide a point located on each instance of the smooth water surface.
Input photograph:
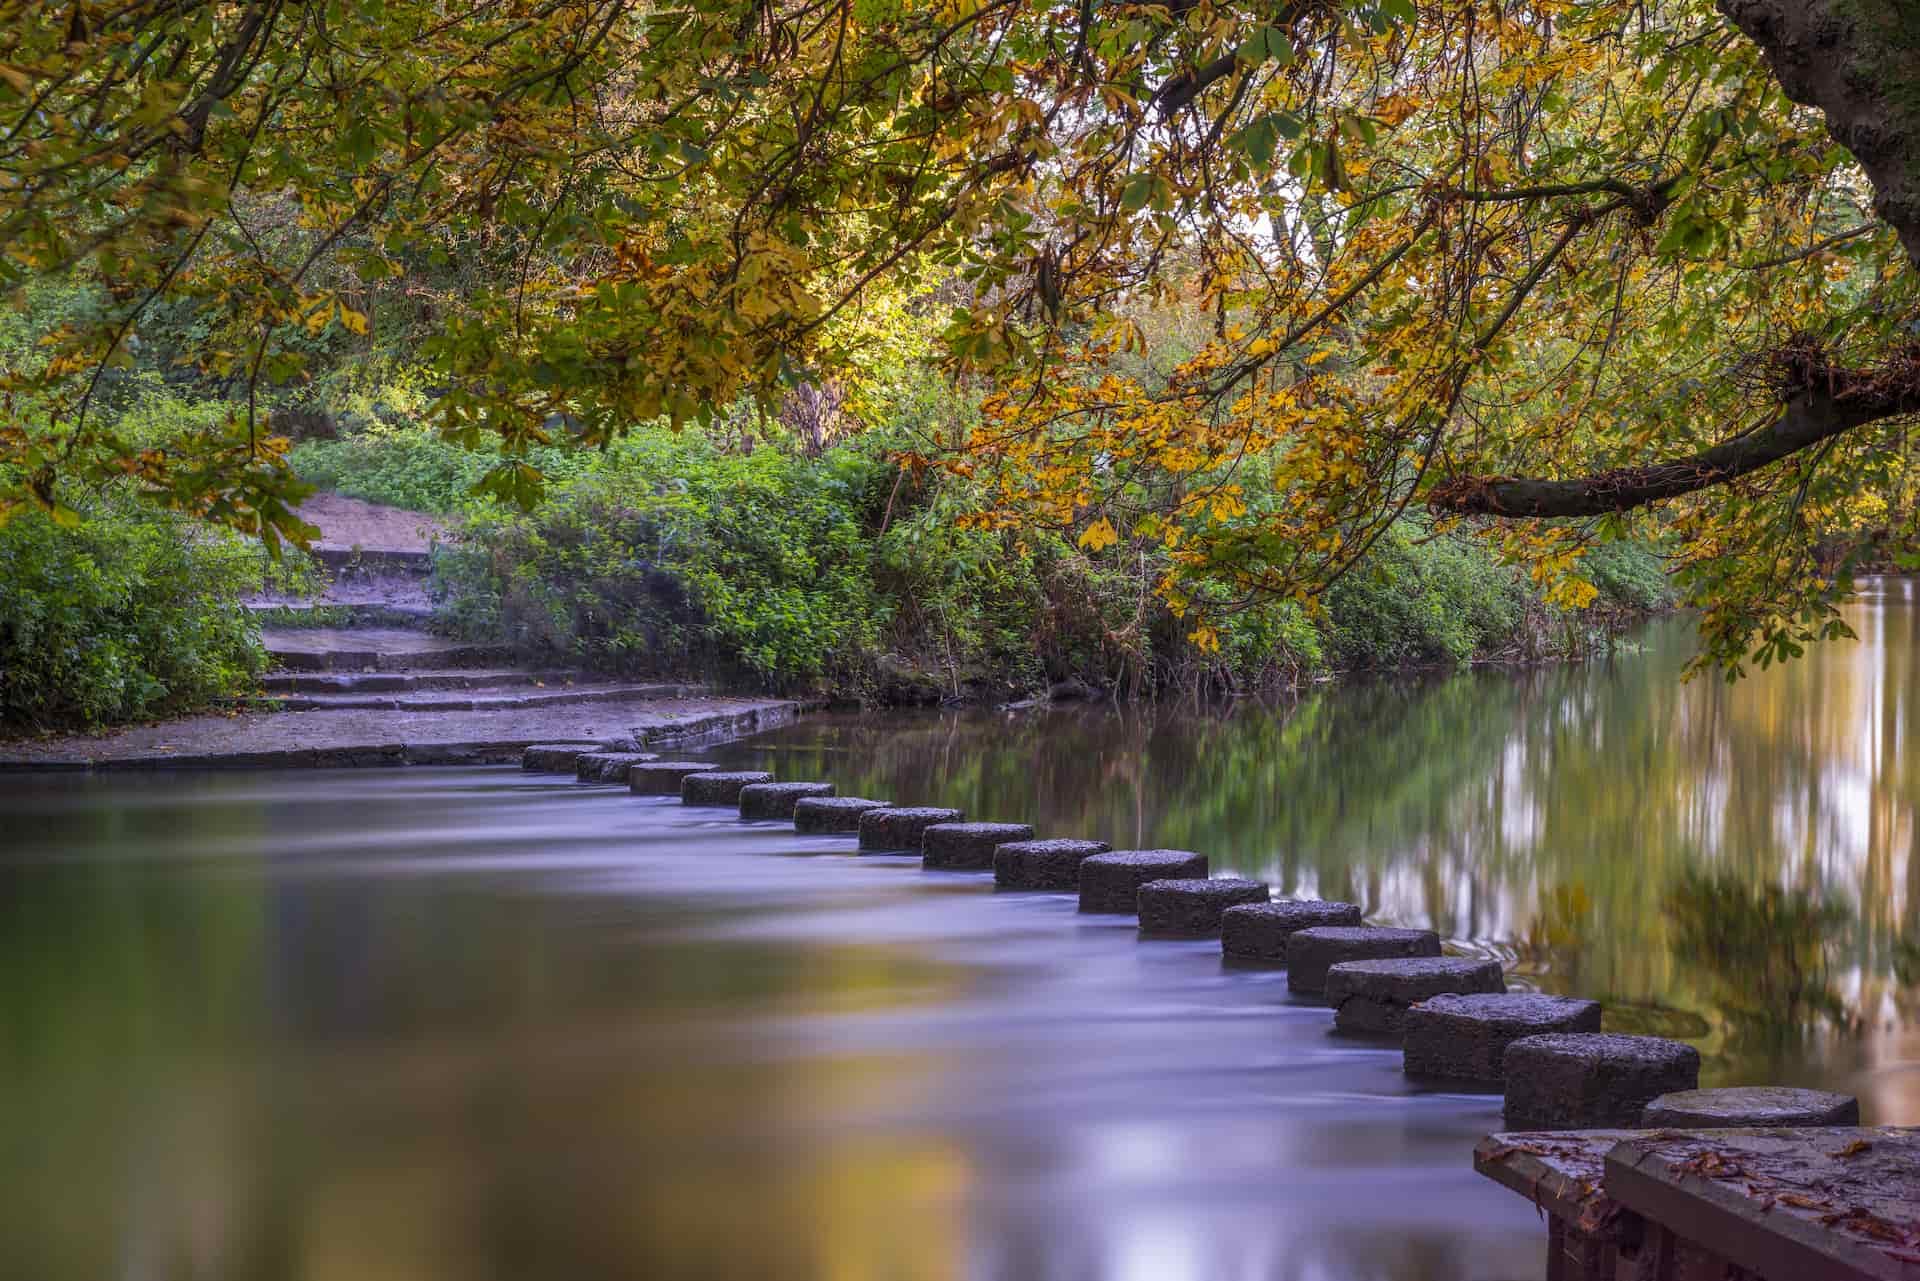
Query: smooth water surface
(470, 1024)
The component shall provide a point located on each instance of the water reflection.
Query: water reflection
(445, 1025)
(1733, 863)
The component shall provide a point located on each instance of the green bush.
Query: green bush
(132, 613)
(673, 556)
(406, 467)
(1628, 575)
(1418, 599)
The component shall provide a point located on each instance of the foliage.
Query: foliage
(675, 556)
(837, 572)
(1437, 601)
(401, 467)
(121, 614)
(1414, 252)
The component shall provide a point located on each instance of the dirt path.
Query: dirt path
(347, 523)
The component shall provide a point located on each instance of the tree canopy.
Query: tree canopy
(1543, 269)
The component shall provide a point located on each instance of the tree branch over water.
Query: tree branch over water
(1821, 402)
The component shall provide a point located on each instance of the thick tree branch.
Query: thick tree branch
(1821, 404)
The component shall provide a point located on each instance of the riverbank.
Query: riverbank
(837, 573)
(382, 736)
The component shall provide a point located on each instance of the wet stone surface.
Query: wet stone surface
(1111, 882)
(776, 800)
(609, 767)
(1580, 1081)
(968, 847)
(825, 815)
(1758, 1106)
(1465, 1038)
(719, 787)
(555, 758)
(1193, 908)
(662, 778)
(1371, 998)
(1259, 932)
(1312, 952)
(1043, 865)
(900, 829)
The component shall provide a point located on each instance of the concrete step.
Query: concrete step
(457, 700)
(338, 614)
(409, 681)
(386, 649)
(354, 561)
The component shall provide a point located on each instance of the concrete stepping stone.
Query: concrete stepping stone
(1371, 998)
(608, 767)
(1758, 1106)
(1313, 951)
(1193, 908)
(967, 847)
(1043, 865)
(555, 758)
(1465, 1038)
(719, 787)
(776, 800)
(901, 828)
(822, 815)
(1111, 882)
(662, 778)
(1592, 1080)
(1259, 931)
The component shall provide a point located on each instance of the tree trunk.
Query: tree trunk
(1858, 62)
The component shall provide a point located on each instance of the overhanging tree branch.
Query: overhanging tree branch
(1820, 403)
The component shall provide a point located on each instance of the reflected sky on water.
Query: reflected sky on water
(438, 1024)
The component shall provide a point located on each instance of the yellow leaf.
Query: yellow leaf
(1099, 534)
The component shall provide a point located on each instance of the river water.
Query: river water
(457, 1025)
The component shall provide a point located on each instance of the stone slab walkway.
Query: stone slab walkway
(266, 740)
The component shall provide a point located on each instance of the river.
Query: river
(462, 1024)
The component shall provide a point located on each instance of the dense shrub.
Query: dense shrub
(673, 556)
(1418, 599)
(400, 466)
(130, 613)
(1629, 575)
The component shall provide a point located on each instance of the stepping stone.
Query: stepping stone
(1370, 998)
(776, 800)
(1042, 865)
(719, 787)
(901, 828)
(609, 767)
(662, 778)
(1465, 1038)
(1193, 908)
(555, 758)
(1312, 952)
(967, 847)
(1759, 1106)
(1111, 882)
(1592, 1080)
(819, 815)
(1259, 931)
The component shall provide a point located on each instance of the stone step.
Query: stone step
(277, 683)
(358, 560)
(387, 649)
(460, 700)
(337, 613)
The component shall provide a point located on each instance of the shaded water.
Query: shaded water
(440, 1024)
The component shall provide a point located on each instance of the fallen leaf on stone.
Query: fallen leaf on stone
(1854, 1148)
